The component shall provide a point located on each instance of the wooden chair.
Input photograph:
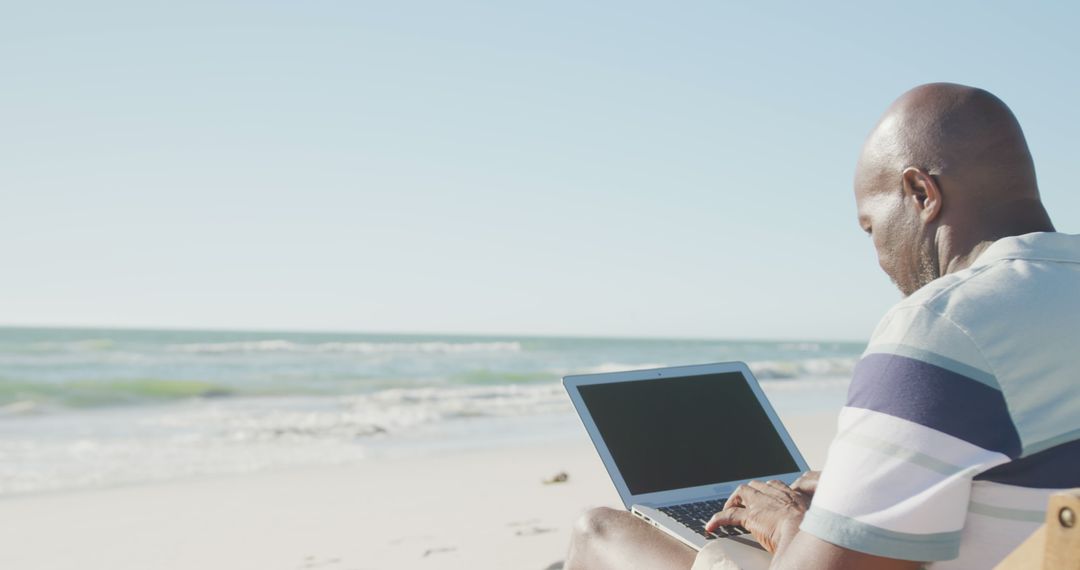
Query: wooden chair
(1056, 545)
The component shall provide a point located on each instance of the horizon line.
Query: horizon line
(460, 334)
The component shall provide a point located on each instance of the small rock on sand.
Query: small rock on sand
(560, 477)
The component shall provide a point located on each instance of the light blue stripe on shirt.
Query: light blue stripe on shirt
(854, 535)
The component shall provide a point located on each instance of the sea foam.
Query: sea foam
(357, 347)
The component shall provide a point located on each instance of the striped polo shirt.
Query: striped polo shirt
(963, 415)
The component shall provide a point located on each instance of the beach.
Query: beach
(298, 285)
(484, 507)
(152, 449)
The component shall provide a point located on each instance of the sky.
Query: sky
(555, 168)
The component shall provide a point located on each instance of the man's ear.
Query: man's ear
(922, 192)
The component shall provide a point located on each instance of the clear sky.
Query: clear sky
(602, 168)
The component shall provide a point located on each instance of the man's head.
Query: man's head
(945, 172)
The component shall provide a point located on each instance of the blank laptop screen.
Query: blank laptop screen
(673, 433)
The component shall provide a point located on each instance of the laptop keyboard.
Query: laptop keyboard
(695, 515)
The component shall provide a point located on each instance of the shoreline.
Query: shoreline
(481, 508)
(98, 448)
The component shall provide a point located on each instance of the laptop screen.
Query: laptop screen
(673, 433)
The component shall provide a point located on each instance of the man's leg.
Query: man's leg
(730, 555)
(608, 538)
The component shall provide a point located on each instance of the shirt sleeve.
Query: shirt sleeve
(924, 416)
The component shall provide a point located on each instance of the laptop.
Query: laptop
(677, 442)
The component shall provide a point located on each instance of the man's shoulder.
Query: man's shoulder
(1005, 327)
(1017, 279)
(930, 322)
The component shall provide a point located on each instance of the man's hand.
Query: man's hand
(807, 483)
(771, 511)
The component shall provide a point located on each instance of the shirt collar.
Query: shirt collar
(1045, 246)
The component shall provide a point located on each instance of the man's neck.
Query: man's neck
(960, 262)
(958, 251)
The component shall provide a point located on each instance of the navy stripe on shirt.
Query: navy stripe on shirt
(1054, 468)
(934, 397)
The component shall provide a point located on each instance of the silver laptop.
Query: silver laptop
(678, 441)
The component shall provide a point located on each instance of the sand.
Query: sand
(484, 508)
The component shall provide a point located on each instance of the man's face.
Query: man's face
(903, 250)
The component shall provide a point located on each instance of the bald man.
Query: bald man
(963, 415)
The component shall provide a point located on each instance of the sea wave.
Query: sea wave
(804, 368)
(19, 397)
(486, 376)
(242, 434)
(345, 418)
(279, 345)
(801, 346)
(763, 369)
(82, 345)
(78, 409)
(618, 367)
(469, 401)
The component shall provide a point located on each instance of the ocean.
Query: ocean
(83, 408)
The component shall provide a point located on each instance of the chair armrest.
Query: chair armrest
(1056, 545)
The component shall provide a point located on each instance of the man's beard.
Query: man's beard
(926, 270)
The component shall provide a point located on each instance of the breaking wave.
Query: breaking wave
(434, 347)
(806, 368)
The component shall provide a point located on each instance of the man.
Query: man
(963, 415)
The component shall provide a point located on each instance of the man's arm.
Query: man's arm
(808, 551)
(923, 416)
(772, 512)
